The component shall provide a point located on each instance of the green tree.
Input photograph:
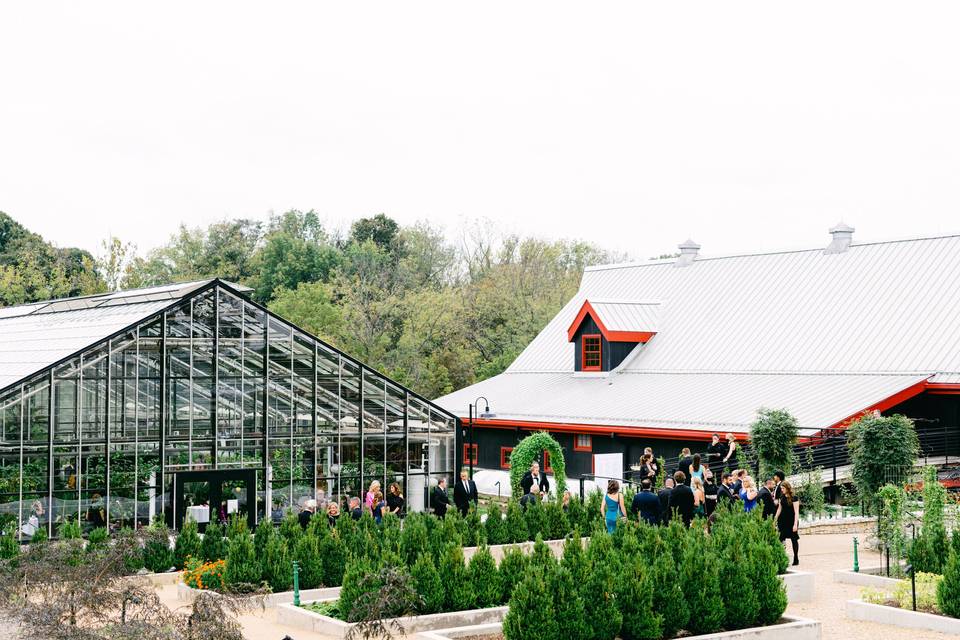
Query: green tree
(635, 599)
(528, 618)
(702, 586)
(380, 230)
(243, 567)
(513, 567)
(567, 604)
(355, 584)
(333, 555)
(932, 547)
(484, 579)
(948, 591)
(426, 578)
(536, 517)
(307, 554)
(214, 546)
(558, 525)
(541, 558)
(516, 523)
(295, 249)
(188, 544)
(453, 574)
(668, 596)
(573, 559)
(277, 565)
(496, 528)
(882, 449)
(262, 536)
(772, 436)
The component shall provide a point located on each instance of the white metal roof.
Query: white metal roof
(35, 336)
(843, 327)
(627, 315)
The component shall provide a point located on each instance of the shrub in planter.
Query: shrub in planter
(594, 509)
(948, 592)
(668, 597)
(243, 567)
(306, 552)
(927, 586)
(262, 536)
(567, 605)
(453, 573)
(448, 532)
(157, 555)
(598, 591)
(675, 540)
(277, 565)
(558, 525)
(484, 579)
(9, 547)
(573, 559)
(204, 575)
(237, 526)
(473, 534)
(426, 579)
(513, 568)
(933, 544)
(528, 617)
(188, 545)
(355, 584)
(702, 586)
(70, 530)
(333, 559)
(496, 528)
(773, 595)
(290, 529)
(736, 576)
(635, 599)
(541, 559)
(516, 523)
(955, 541)
(414, 538)
(98, 537)
(128, 540)
(214, 545)
(577, 515)
(390, 534)
(536, 518)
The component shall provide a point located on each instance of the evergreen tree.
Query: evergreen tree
(496, 528)
(567, 605)
(558, 525)
(414, 538)
(237, 526)
(955, 541)
(577, 515)
(70, 530)
(948, 591)
(262, 536)
(513, 567)
(214, 545)
(773, 595)
(157, 554)
(484, 579)
(528, 618)
(243, 567)
(516, 523)
(474, 533)
(736, 575)
(188, 545)
(635, 599)
(453, 574)
(668, 597)
(598, 592)
(333, 559)
(354, 586)
(307, 554)
(290, 529)
(9, 547)
(536, 518)
(541, 558)
(699, 579)
(573, 557)
(426, 580)
(39, 536)
(277, 565)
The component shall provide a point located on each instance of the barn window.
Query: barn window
(592, 352)
(582, 442)
(505, 457)
(469, 449)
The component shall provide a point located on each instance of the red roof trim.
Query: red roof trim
(892, 401)
(585, 429)
(611, 336)
(943, 388)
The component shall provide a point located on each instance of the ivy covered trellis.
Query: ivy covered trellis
(528, 450)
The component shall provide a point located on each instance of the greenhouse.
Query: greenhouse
(124, 407)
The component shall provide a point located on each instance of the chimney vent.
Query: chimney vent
(689, 251)
(842, 236)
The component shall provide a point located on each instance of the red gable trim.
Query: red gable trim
(568, 427)
(883, 405)
(611, 336)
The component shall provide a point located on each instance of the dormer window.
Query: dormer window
(592, 348)
(605, 332)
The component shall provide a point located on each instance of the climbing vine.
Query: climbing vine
(528, 450)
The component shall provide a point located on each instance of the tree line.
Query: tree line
(434, 313)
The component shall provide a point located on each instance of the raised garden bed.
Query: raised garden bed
(870, 577)
(789, 628)
(884, 614)
(189, 594)
(799, 585)
(301, 618)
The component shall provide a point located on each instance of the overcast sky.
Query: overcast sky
(748, 126)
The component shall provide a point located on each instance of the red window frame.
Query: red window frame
(466, 453)
(546, 462)
(586, 447)
(505, 457)
(598, 351)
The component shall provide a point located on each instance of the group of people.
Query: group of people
(374, 502)
(692, 493)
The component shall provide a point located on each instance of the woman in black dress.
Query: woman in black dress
(394, 500)
(788, 518)
(730, 459)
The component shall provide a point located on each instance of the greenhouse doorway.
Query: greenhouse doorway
(214, 496)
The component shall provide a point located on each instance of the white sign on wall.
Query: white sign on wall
(607, 466)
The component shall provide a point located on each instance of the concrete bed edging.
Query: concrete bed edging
(189, 594)
(799, 585)
(869, 577)
(301, 618)
(789, 628)
(882, 614)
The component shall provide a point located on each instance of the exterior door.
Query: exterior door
(214, 496)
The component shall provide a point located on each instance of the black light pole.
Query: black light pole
(486, 414)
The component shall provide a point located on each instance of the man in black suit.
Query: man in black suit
(681, 498)
(765, 495)
(532, 496)
(684, 465)
(464, 493)
(646, 504)
(440, 498)
(716, 452)
(664, 497)
(725, 494)
(534, 476)
(778, 477)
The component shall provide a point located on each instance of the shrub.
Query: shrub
(333, 559)
(577, 515)
(205, 575)
(98, 537)
(277, 565)
(635, 599)
(736, 575)
(601, 613)
(878, 445)
(516, 523)
(536, 519)
(188, 545)
(927, 588)
(955, 540)
(541, 558)
(157, 554)
(9, 547)
(70, 530)
(668, 597)
(890, 524)
(262, 536)
(214, 545)
(948, 592)
(237, 526)
(39, 536)
(700, 582)
(353, 587)
(390, 534)
(426, 579)
(772, 436)
(513, 568)
(414, 538)
(484, 579)
(567, 605)
(934, 546)
(243, 567)
(766, 582)
(573, 559)
(290, 529)
(528, 450)
(453, 575)
(528, 616)
(306, 552)
(473, 534)
(558, 525)
(496, 528)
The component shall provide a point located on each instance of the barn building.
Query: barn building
(667, 352)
